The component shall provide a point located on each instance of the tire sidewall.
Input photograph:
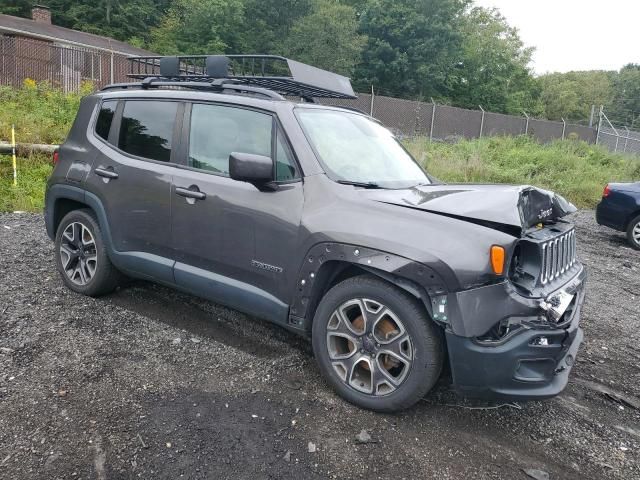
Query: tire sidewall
(426, 344)
(97, 281)
(630, 238)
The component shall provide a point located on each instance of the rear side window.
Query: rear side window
(146, 129)
(105, 117)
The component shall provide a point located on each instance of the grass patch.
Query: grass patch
(40, 113)
(33, 172)
(574, 169)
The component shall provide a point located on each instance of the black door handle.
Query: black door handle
(106, 172)
(191, 192)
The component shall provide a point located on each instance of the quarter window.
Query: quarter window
(146, 129)
(105, 117)
(285, 165)
(217, 131)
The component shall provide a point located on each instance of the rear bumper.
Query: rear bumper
(517, 368)
(611, 216)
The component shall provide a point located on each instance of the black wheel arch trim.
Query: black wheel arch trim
(325, 261)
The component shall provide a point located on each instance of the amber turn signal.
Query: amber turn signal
(497, 259)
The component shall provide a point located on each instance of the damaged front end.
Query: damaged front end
(518, 342)
(512, 329)
(518, 338)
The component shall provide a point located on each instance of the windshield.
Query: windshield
(353, 148)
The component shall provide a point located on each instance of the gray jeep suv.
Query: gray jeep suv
(317, 219)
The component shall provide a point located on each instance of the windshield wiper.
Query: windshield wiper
(359, 184)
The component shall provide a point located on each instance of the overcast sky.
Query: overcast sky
(575, 34)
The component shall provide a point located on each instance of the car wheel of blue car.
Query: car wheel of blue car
(633, 233)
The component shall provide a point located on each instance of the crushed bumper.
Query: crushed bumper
(531, 363)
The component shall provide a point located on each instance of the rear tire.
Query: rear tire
(375, 344)
(81, 255)
(633, 233)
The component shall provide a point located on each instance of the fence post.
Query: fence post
(564, 127)
(526, 125)
(600, 114)
(371, 108)
(433, 119)
(111, 76)
(481, 121)
(626, 140)
(593, 112)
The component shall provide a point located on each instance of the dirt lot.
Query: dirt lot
(149, 383)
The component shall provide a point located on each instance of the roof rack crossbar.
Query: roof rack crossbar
(271, 72)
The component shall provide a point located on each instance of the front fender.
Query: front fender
(420, 280)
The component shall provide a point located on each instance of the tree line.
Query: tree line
(448, 50)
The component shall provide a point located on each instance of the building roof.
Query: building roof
(44, 31)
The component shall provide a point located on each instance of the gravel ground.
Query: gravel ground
(149, 383)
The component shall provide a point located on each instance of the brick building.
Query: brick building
(35, 48)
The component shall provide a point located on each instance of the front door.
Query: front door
(233, 243)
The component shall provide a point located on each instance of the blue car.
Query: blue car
(620, 210)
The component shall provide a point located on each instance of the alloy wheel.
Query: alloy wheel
(78, 253)
(369, 347)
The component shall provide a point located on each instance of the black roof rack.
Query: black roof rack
(253, 74)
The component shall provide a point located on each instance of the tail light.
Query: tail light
(56, 156)
(606, 191)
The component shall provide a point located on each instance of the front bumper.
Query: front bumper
(520, 367)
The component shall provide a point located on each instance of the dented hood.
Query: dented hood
(516, 207)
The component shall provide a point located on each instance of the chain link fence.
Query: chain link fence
(442, 122)
(61, 66)
(617, 139)
(68, 67)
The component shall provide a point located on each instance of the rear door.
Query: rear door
(233, 242)
(132, 179)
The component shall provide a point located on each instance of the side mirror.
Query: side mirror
(250, 168)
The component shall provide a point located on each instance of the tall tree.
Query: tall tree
(625, 106)
(327, 38)
(120, 19)
(413, 46)
(268, 23)
(571, 95)
(200, 27)
(18, 8)
(494, 66)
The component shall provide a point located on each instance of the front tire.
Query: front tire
(633, 233)
(375, 344)
(81, 256)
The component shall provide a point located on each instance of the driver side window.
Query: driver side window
(217, 131)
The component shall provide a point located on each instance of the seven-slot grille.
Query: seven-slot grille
(558, 256)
